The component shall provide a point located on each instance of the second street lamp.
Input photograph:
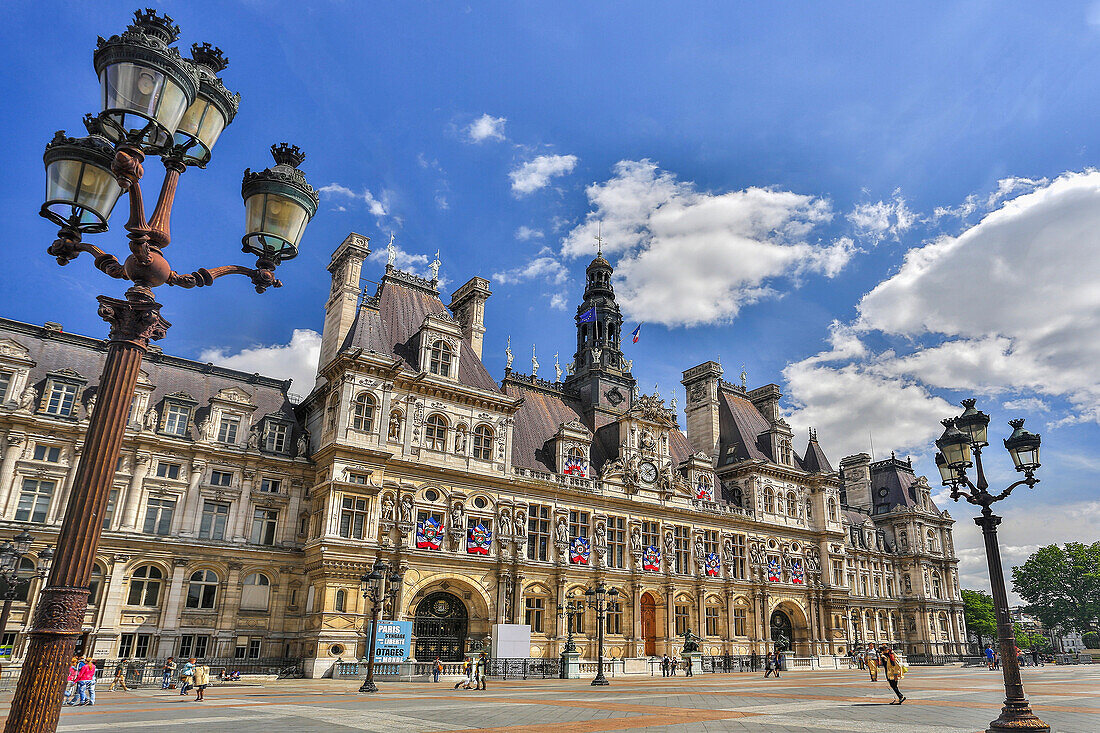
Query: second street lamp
(599, 599)
(147, 89)
(376, 589)
(963, 437)
(11, 556)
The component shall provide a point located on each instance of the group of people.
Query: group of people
(884, 657)
(669, 665)
(82, 678)
(473, 669)
(81, 687)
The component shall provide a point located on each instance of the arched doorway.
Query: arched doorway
(649, 624)
(440, 627)
(782, 632)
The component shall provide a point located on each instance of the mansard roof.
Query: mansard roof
(744, 431)
(899, 480)
(53, 351)
(388, 323)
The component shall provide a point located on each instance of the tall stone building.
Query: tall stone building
(242, 523)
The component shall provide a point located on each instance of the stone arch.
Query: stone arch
(648, 605)
(478, 603)
(799, 626)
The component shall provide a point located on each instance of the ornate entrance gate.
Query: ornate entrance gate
(440, 628)
(782, 632)
(649, 624)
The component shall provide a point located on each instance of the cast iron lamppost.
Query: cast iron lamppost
(375, 593)
(570, 611)
(155, 102)
(11, 555)
(965, 435)
(600, 599)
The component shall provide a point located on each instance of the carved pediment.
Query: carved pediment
(235, 395)
(13, 350)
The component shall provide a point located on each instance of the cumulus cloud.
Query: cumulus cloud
(525, 234)
(485, 128)
(876, 221)
(543, 268)
(296, 360)
(558, 301)
(417, 264)
(340, 191)
(689, 257)
(536, 174)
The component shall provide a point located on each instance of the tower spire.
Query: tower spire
(599, 239)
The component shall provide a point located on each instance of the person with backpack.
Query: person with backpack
(437, 669)
(895, 670)
(119, 679)
(187, 675)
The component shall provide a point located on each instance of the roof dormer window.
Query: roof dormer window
(440, 357)
(60, 398)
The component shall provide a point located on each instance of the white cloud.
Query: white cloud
(485, 128)
(337, 190)
(525, 234)
(690, 257)
(876, 221)
(536, 174)
(1026, 404)
(296, 360)
(544, 268)
(558, 301)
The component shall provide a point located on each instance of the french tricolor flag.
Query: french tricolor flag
(636, 332)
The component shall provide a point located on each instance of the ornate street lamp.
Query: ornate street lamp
(376, 593)
(570, 611)
(963, 436)
(157, 103)
(599, 599)
(11, 555)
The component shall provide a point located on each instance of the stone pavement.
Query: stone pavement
(941, 700)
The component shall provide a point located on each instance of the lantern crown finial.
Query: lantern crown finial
(1017, 423)
(287, 154)
(209, 56)
(969, 403)
(152, 23)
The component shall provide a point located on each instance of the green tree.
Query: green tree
(1029, 641)
(1092, 640)
(1061, 585)
(978, 612)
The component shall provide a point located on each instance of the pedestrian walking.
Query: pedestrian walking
(482, 671)
(437, 669)
(989, 656)
(85, 683)
(894, 669)
(688, 668)
(119, 680)
(726, 661)
(187, 676)
(169, 668)
(754, 661)
(666, 666)
(70, 685)
(202, 679)
(1035, 657)
(675, 664)
(871, 656)
(769, 665)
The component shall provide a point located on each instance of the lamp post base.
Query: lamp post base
(1017, 716)
(600, 681)
(368, 686)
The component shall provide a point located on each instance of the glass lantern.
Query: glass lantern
(81, 190)
(1023, 446)
(213, 109)
(146, 85)
(974, 423)
(955, 445)
(947, 474)
(278, 204)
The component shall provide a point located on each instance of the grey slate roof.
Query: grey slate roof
(898, 478)
(538, 419)
(815, 459)
(744, 431)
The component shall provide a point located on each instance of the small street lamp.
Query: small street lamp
(572, 608)
(600, 599)
(155, 103)
(963, 438)
(11, 555)
(377, 589)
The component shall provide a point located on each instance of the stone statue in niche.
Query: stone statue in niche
(563, 531)
(27, 399)
(407, 509)
(521, 523)
(456, 516)
(387, 508)
(151, 421)
(303, 444)
(727, 551)
(253, 440)
(636, 540)
(670, 543)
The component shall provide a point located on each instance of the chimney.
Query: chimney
(766, 400)
(346, 266)
(701, 384)
(468, 306)
(855, 474)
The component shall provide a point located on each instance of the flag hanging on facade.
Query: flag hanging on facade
(479, 539)
(575, 467)
(588, 316)
(651, 559)
(712, 564)
(578, 551)
(774, 572)
(635, 333)
(429, 534)
(797, 576)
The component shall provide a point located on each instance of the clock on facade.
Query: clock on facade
(648, 472)
(883, 492)
(614, 396)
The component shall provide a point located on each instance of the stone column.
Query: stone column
(636, 621)
(728, 646)
(170, 622)
(230, 605)
(133, 491)
(670, 617)
(517, 599)
(12, 450)
(193, 504)
(58, 508)
(700, 609)
(288, 533)
(561, 621)
(240, 523)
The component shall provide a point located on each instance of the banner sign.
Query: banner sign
(712, 564)
(479, 539)
(578, 551)
(651, 559)
(394, 641)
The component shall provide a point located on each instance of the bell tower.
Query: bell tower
(601, 375)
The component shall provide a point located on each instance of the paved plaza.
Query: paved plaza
(941, 700)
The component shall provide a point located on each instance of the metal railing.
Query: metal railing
(141, 672)
(524, 668)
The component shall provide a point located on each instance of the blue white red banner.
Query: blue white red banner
(712, 564)
(574, 467)
(775, 574)
(479, 539)
(579, 550)
(651, 559)
(798, 577)
(429, 534)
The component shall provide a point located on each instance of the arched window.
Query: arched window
(792, 505)
(145, 586)
(769, 499)
(734, 495)
(363, 412)
(435, 433)
(341, 600)
(483, 442)
(395, 425)
(702, 488)
(832, 509)
(937, 587)
(439, 360)
(202, 589)
(256, 592)
(932, 541)
(461, 436)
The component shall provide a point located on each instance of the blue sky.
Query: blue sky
(881, 209)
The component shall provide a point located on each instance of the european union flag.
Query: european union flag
(588, 316)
